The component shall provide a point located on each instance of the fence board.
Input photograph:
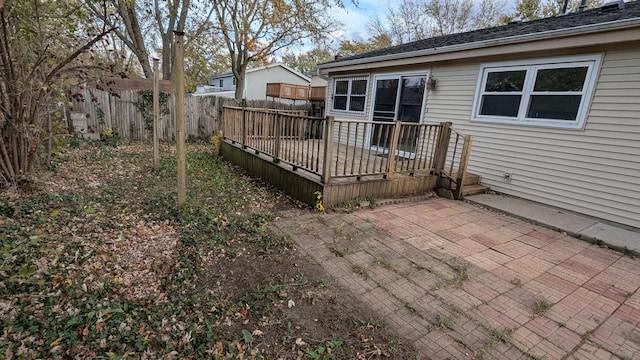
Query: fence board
(203, 114)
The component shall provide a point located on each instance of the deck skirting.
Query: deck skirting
(303, 186)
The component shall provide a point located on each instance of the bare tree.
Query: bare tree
(41, 51)
(253, 30)
(449, 16)
(413, 20)
(143, 27)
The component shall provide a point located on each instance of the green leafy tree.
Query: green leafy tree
(307, 61)
(352, 47)
(44, 46)
(202, 58)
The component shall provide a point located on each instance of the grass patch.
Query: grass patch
(340, 252)
(349, 206)
(540, 306)
(360, 270)
(384, 263)
(443, 322)
(501, 336)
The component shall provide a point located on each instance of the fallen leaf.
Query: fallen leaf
(57, 280)
(291, 303)
(55, 342)
(84, 332)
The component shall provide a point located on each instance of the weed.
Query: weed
(587, 334)
(540, 306)
(319, 204)
(325, 351)
(360, 270)
(501, 336)
(372, 322)
(462, 343)
(597, 242)
(443, 322)
(323, 283)
(412, 309)
(384, 263)
(628, 252)
(340, 252)
(349, 206)
(461, 274)
(215, 141)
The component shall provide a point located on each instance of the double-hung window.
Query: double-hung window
(350, 94)
(552, 92)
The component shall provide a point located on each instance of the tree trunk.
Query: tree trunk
(239, 95)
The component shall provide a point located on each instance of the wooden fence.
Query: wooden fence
(130, 113)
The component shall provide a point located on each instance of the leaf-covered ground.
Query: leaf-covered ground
(96, 263)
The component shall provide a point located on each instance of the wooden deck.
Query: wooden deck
(295, 154)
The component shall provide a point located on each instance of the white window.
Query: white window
(350, 94)
(234, 81)
(551, 92)
(221, 83)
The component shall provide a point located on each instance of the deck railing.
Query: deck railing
(456, 159)
(353, 149)
(288, 91)
(364, 148)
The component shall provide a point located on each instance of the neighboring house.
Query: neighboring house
(256, 80)
(553, 104)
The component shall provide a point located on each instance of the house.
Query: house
(553, 104)
(256, 80)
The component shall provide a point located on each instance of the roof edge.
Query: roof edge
(566, 32)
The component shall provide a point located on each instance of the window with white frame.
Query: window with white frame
(552, 92)
(350, 94)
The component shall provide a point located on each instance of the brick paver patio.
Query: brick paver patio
(459, 281)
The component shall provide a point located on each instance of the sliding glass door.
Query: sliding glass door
(397, 98)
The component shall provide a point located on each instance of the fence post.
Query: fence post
(156, 115)
(180, 125)
(462, 167)
(276, 138)
(393, 146)
(244, 129)
(328, 150)
(442, 147)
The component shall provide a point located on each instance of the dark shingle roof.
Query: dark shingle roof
(589, 17)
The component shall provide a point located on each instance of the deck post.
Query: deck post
(442, 147)
(462, 168)
(276, 138)
(244, 128)
(328, 150)
(393, 147)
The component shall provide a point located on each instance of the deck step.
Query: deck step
(469, 178)
(468, 190)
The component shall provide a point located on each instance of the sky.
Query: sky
(355, 20)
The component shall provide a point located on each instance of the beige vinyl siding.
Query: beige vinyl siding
(595, 171)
